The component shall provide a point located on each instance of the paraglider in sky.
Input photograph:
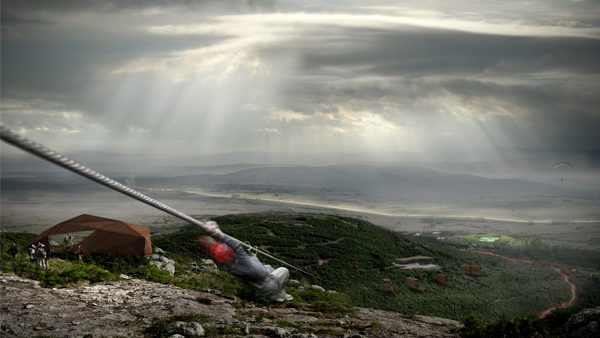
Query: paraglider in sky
(560, 164)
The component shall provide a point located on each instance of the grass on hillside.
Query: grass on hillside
(328, 246)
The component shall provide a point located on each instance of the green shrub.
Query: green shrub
(324, 301)
(159, 327)
(152, 273)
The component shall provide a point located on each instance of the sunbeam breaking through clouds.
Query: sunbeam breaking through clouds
(464, 82)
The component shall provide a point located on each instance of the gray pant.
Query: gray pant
(273, 287)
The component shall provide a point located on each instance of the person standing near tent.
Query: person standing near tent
(232, 256)
(42, 256)
(32, 251)
(79, 253)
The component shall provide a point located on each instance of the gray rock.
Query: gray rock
(195, 267)
(584, 324)
(208, 262)
(166, 260)
(164, 266)
(437, 321)
(316, 287)
(6, 327)
(213, 291)
(171, 268)
(293, 281)
(192, 329)
(139, 302)
(159, 251)
(177, 335)
(29, 306)
(273, 331)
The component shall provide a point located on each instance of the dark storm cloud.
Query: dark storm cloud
(533, 98)
(182, 71)
(407, 72)
(561, 118)
(59, 66)
(429, 52)
(24, 6)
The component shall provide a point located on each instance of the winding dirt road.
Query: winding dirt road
(566, 276)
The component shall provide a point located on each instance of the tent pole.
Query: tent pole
(48, 154)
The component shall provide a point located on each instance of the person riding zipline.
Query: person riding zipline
(268, 281)
(231, 255)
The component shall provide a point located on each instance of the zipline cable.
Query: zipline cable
(48, 154)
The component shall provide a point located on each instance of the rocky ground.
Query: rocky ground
(127, 307)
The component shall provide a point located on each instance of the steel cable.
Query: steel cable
(48, 154)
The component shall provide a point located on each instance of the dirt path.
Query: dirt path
(566, 276)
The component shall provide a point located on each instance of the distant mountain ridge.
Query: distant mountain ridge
(404, 182)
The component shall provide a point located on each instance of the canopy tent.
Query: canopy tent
(110, 236)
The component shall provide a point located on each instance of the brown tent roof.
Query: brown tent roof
(111, 236)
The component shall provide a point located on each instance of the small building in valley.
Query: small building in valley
(442, 279)
(387, 285)
(413, 283)
(473, 270)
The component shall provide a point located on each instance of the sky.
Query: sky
(449, 80)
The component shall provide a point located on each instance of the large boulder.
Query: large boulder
(162, 262)
(190, 329)
(584, 324)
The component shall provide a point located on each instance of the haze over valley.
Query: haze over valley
(402, 198)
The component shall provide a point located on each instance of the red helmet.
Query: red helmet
(223, 254)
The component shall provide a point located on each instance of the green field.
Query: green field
(490, 240)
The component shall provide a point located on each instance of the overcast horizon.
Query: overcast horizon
(460, 81)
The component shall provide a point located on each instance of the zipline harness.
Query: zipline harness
(63, 161)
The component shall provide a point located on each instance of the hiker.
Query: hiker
(66, 241)
(231, 255)
(13, 251)
(42, 256)
(79, 253)
(32, 253)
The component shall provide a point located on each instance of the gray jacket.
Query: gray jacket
(269, 282)
(245, 266)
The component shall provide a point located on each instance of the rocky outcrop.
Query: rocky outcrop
(584, 324)
(161, 261)
(186, 329)
(128, 307)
